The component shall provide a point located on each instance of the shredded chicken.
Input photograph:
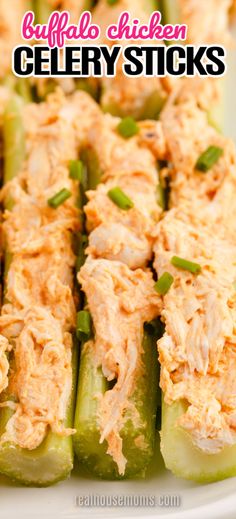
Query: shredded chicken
(118, 155)
(45, 85)
(209, 197)
(198, 349)
(42, 353)
(207, 21)
(117, 234)
(135, 226)
(198, 93)
(124, 95)
(119, 291)
(39, 313)
(115, 241)
(120, 301)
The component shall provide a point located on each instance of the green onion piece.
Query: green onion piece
(59, 198)
(208, 158)
(83, 325)
(76, 169)
(162, 286)
(127, 127)
(184, 264)
(120, 198)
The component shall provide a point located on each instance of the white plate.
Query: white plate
(214, 501)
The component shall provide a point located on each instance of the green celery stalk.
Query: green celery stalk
(186, 460)
(150, 109)
(42, 10)
(52, 461)
(153, 104)
(179, 453)
(24, 90)
(13, 137)
(92, 164)
(171, 15)
(170, 12)
(89, 451)
(91, 381)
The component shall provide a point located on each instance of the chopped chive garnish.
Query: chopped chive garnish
(83, 325)
(162, 286)
(76, 169)
(120, 198)
(127, 127)
(208, 158)
(59, 198)
(184, 264)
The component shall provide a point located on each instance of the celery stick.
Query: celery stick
(50, 462)
(152, 105)
(86, 5)
(89, 451)
(184, 459)
(92, 164)
(170, 12)
(53, 459)
(90, 86)
(13, 137)
(42, 10)
(216, 111)
(150, 109)
(14, 151)
(24, 90)
(171, 15)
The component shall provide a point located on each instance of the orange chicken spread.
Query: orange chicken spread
(121, 93)
(119, 289)
(39, 313)
(207, 22)
(198, 349)
(38, 318)
(197, 352)
(206, 197)
(120, 301)
(117, 234)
